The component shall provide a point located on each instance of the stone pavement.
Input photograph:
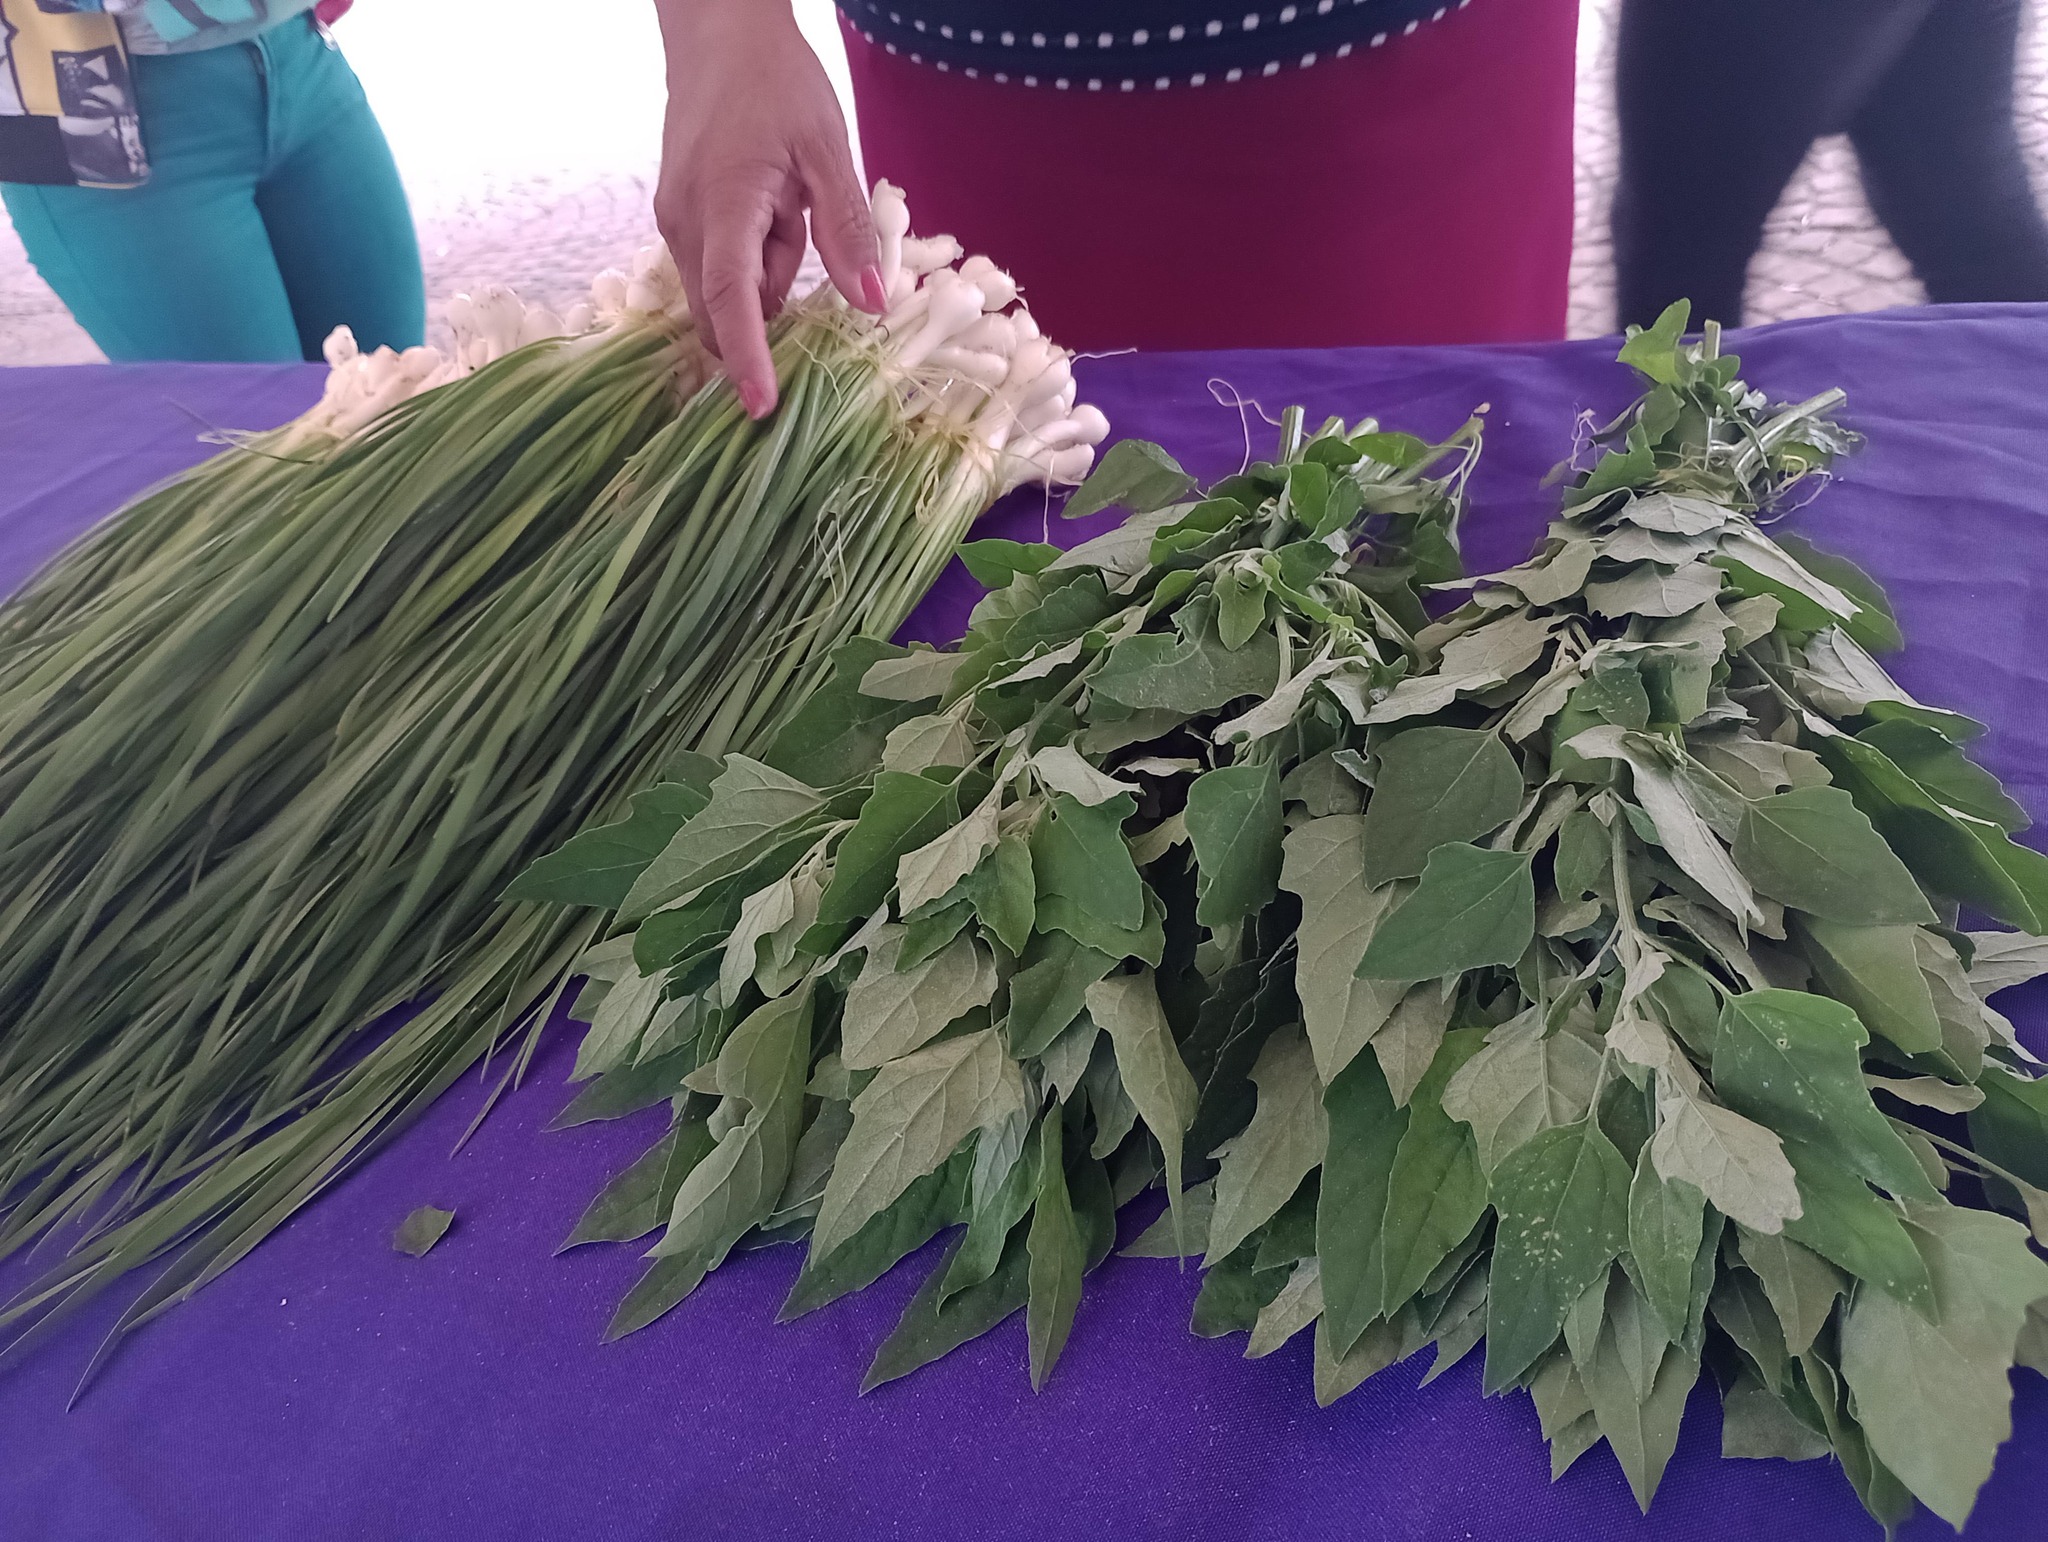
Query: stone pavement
(541, 174)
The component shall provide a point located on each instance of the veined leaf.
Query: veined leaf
(1563, 1203)
(1437, 1193)
(1154, 1074)
(1813, 849)
(910, 1118)
(1520, 1084)
(889, 1012)
(1282, 1144)
(751, 806)
(1365, 1131)
(598, 867)
(903, 813)
(1053, 1278)
(1793, 1061)
(1740, 1166)
(1472, 908)
(1933, 1397)
(1436, 785)
(1233, 820)
(1324, 863)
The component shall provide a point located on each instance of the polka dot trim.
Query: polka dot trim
(1251, 21)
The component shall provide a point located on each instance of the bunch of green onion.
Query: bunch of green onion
(273, 743)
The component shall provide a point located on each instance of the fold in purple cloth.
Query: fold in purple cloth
(330, 1388)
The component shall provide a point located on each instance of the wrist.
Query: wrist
(697, 32)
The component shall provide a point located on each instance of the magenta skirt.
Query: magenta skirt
(1418, 192)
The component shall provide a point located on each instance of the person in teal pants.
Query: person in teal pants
(272, 213)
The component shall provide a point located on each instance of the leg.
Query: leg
(333, 203)
(181, 267)
(1718, 103)
(1942, 163)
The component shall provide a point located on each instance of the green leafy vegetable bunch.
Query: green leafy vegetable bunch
(1582, 972)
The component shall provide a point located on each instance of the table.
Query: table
(329, 1388)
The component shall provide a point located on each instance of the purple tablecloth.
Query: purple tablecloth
(329, 1388)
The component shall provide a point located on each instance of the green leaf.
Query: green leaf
(932, 1326)
(918, 674)
(669, 936)
(1649, 590)
(1049, 989)
(1283, 1143)
(1233, 821)
(1187, 675)
(1437, 1193)
(1681, 826)
(1873, 626)
(597, 867)
(1855, 1229)
(1078, 853)
(734, 1187)
(1240, 605)
(908, 1120)
(1147, 942)
(838, 733)
(919, 1213)
(1584, 854)
(1800, 1285)
(1757, 1424)
(1641, 1429)
(1614, 692)
(1471, 909)
(1131, 474)
(1154, 1075)
(1967, 859)
(1945, 773)
(2010, 1127)
(980, 1252)
(752, 806)
(1619, 469)
(1324, 863)
(1652, 351)
(903, 813)
(995, 562)
(1874, 970)
(891, 1011)
(418, 1232)
(1003, 892)
(1666, 1220)
(1436, 785)
(1814, 850)
(1740, 1166)
(1521, 1083)
(1793, 1062)
(1054, 1242)
(639, 1199)
(1934, 1398)
(1365, 1131)
(1563, 1203)
(1234, 1293)
(1408, 1043)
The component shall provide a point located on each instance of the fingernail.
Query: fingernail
(872, 290)
(755, 398)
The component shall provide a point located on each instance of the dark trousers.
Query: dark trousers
(1719, 101)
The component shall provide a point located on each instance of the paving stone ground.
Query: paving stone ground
(541, 173)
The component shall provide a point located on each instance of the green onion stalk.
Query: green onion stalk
(321, 732)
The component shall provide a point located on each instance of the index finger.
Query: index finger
(725, 293)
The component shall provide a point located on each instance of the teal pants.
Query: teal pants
(273, 214)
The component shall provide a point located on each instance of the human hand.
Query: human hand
(754, 138)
